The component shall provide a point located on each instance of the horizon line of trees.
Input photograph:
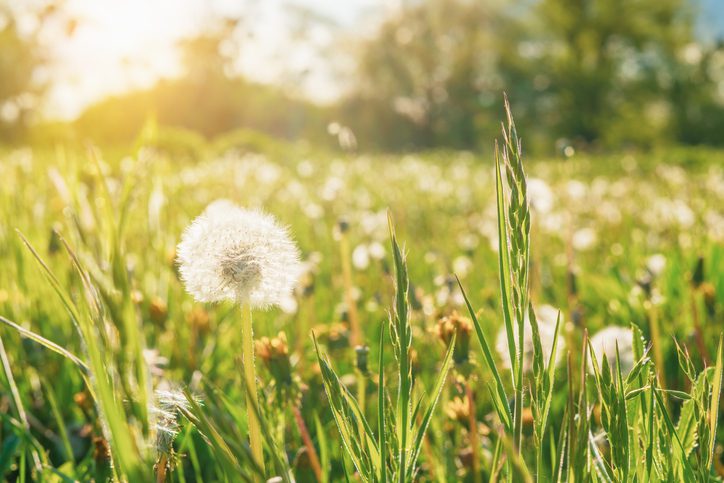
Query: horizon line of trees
(595, 74)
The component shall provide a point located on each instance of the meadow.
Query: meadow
(113, 371)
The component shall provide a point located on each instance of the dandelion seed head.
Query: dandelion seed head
(547, 316)
(604, 342)
(168, 403)
(229, 253)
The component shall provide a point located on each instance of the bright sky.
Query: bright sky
(124, 44)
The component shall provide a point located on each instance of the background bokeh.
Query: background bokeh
(398, 76)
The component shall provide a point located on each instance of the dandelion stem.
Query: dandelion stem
(656, 343)
(361, 399)
(247, 342)
(698, 336)
(356, 337)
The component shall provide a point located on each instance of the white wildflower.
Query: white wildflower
(540, 195)
(547, 317)
(228, 253)
(361, 257)
(656, 264)
(605, 341)
(376, 250)
(584, 239)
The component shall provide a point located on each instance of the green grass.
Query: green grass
(88, 287)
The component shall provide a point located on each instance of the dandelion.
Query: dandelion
(458, 326)
(168, 404)
(229, 253)
(547, 316)
(604, 342)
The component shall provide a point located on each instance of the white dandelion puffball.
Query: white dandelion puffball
(546, 317)
(604, 342)
(229, 253)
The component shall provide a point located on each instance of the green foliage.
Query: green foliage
(375, 457)
(92, 286)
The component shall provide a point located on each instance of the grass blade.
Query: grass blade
(502, 398)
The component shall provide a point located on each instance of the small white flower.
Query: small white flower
(228, 253)
(604, 342)
(584, 239)
(541, 195)
(656, 264)
(361, 257)
(547, 316)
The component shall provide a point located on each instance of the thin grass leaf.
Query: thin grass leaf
(17, 401)
(323, 448)
(432, 403)
(222, 452)
(280, 464)
(347, 416)
(715, 395)
(688, 471)
(67, 447)
(382, 440)
(600, 464)
(501, 399)
(47, 344)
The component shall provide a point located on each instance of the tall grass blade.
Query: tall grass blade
(432, 403)
(500, 398)
(715, 396)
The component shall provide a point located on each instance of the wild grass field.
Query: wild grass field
(113, 371)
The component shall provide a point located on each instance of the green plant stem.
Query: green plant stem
(311, 450)
(656, 342)
(473, 429)
(161, 469)
(247, 343)
(353, 319)
(361, 399)
(698, 333)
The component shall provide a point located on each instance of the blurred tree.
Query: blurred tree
(22, 57)
(19, 59)
(426, 78)
(610, 72)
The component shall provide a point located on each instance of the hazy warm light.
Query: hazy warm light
(121, 45)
